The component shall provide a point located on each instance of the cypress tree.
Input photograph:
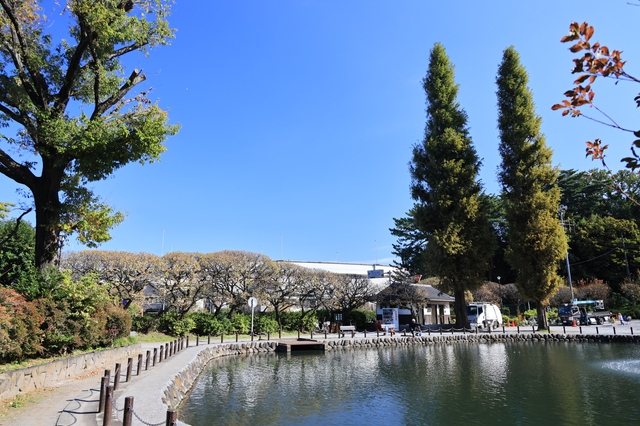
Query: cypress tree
(536, 242)
(449, 208)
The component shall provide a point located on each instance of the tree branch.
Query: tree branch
(135, 78)
(32, 79)
(16, 171)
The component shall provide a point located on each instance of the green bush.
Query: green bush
(290, 320)
(361, 317)
(118, 323)
(266, 324)
(241, 323)
(76, 314)
(144, 323)
(206, 324)
(169, 323)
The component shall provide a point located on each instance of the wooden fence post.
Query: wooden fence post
(155, 354)
(116, 377)
(139, 364)
(161, 351)
(127, 416)
(108, 401)
(129, 368)
(104, 383)
(146, 365)
(172, 418)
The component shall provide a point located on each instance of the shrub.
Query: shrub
(169, 323)
(206, 324)
(118, 323)
(144, 323)
(76, 314)
(241, 323)
(266, 324)
(361, 317)
(19, 327)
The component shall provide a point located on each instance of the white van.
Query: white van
(483, 315)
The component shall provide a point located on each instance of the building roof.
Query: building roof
(429, 292)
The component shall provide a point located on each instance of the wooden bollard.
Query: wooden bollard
(146, 364)
(172, 418)
(236, 337)
(170, 349)
(208, 339)
(129, 369)
(166, 350)
(197, 340)
(139, 364)
(108, 401)
(104, 383)
(127, 416)
(155, 355)
(269, 335)
(187, 341)
(107, 374)
(116, 377)
(222, 338)
(161, 353)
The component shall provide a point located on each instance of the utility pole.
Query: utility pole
(563, 208)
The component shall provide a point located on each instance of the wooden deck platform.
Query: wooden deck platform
(299, 345)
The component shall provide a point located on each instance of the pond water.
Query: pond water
(474, 384)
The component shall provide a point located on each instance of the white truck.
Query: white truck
(484, 315)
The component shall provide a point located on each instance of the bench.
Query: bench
(351, 328)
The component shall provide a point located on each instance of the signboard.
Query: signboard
(375, 273)
(253, 302)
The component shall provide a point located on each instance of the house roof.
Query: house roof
(431, 293)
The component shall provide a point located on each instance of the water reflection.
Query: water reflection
(519, 384)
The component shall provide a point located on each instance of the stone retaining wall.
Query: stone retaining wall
(182, 382)
(47, 375)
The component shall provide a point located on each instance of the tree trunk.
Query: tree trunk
(48, 209)
(543, 324)
(460, 308)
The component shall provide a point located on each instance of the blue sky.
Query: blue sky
(298, 117)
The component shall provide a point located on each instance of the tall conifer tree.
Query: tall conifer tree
(449, 208)
(536, 242)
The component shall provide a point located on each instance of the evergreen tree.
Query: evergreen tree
(449, 208)
(409, 247)
(536, 241)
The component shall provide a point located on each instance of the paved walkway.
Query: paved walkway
(75, 402)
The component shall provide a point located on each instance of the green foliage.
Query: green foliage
(171, 324)
(361, 317)
(409, 246)
(17, 265)
(266, 323)
(206, 324)
(80, 314)
(20, 334)
(72, 105)
(449, 208)
(532, 199)
(144, 323)
(119, 322)
(241, 323)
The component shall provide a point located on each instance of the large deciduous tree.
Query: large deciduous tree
(449, 208)
(76, 113)
(536, 241)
